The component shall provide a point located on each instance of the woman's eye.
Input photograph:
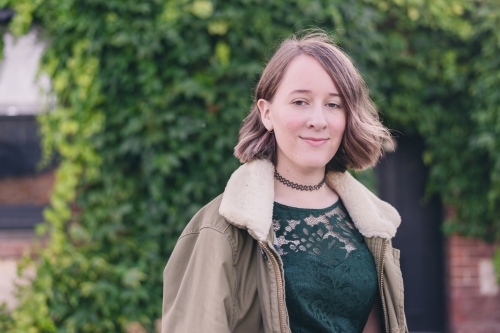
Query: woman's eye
(299, 102)
(333, 105)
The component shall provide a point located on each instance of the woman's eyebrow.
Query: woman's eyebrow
(300, 91)
(305, 91)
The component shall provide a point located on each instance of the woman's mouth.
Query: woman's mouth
(315, 142)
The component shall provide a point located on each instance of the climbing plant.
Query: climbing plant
(150, 95)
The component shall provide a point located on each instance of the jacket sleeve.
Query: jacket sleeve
(199, 284)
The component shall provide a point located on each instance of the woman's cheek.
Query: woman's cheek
(338, 124)
(293, 124)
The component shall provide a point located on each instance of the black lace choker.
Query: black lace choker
(298, 186)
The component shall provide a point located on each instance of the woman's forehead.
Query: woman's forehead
(305, 75)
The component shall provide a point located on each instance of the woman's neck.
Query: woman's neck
(322, 198)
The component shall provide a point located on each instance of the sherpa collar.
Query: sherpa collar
(248, 200)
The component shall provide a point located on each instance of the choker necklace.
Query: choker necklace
(298, 186)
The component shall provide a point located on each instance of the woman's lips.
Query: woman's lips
(315, 142)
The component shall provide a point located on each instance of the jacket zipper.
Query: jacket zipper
(382, 296)
(281, 304)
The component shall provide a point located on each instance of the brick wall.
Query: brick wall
(14, 242)
(473, 294)
(28, 190)
(31, 189)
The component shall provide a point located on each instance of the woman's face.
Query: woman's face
(306, 115)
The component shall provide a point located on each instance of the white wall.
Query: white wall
(21, 93)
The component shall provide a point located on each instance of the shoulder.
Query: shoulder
(208, 226)
(207, 217)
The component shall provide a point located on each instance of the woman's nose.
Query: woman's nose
(317, 119)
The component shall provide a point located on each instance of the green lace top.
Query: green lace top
(330, 275)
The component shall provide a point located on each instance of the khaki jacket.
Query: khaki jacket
(225, 275)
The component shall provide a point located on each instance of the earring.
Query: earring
(270, 131)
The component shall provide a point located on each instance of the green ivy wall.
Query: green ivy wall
(150, 97)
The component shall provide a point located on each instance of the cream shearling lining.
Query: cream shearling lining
(248, 200)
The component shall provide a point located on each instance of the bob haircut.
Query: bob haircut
(361, 145)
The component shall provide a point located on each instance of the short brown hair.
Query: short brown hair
(364, 134)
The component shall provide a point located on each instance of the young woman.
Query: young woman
(294, 244)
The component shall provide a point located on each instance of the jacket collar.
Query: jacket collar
(248, 200)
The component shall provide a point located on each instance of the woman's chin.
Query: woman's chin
(312, 165)
(306, 160)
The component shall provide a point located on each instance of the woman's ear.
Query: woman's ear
(265, 113)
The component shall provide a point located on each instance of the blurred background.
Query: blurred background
(118, 119)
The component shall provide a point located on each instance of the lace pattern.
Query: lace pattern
(330, 276)
(317, 235)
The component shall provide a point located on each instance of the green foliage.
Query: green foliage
(6, 320)
(443, 86)
(150, 96)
